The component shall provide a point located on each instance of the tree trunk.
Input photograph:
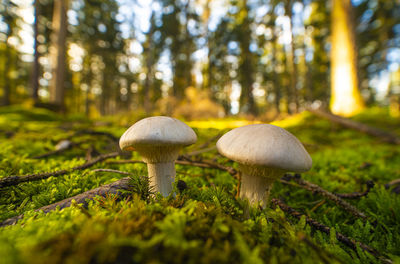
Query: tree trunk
(58, 50)
(148, 50)
(246, 69)
(7, 87)
(293, 97)
(36, 55)
(346, 99)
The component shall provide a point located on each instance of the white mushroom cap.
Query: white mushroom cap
(153, 135)
(265, 145)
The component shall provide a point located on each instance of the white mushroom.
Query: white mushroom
(158, 140)
(264, 153)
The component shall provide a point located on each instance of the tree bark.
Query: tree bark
(58, 52)
(246, 69)
(7, 86)
(36, 55)
(293, 97)
(346, 99)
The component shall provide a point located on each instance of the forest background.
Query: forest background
(200, 59)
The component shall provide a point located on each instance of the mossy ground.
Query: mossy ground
(205, 223)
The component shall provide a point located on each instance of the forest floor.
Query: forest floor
(204, 222)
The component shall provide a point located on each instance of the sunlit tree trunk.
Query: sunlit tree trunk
(57, 52)
(35, 65)
(207, 69)
(346, 99)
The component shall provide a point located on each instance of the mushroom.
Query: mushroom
(264, 153)
(158, 140)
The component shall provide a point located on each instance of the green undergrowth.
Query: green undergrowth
(204, 222)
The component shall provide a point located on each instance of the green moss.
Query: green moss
(204, 223)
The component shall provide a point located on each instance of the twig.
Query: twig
(355, 195)
(384, 135)
(189, 162)
(342, 238)
(200, 151)
(113, 171)
(124, 161)
(391, 183)
(205, 164)
(112, 188)
(317, 189)
(15, 180)
(208, 142)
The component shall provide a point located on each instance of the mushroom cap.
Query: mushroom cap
(157, 131)
(265, 145)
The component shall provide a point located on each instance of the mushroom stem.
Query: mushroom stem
(255, 189)
(161, 177)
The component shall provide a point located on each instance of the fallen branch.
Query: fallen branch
(384, 135)
(112, 171)
(206, 164)
(112, 188)
(15, 180)
(210, 140)
(201, 151)
(201, 164)
(323, 228)
(394, 182)
(317, 189)
(356, 195)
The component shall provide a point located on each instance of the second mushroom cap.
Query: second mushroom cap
(265, 145)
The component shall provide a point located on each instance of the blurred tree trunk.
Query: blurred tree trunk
(148, 52)
(277, 89)
(7, 86)
(246, 69)
(346, 99)
(35, 65)
(147, 82)
(9, 18)
(57, 52)
(207, 70)
(293, 95)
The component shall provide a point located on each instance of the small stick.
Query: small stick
(112, 188)
(355, 195)
(317, 189)
(124, 161)
(200, 151)
(113, 171)
(394, 182)
(208, 142)
(207, 164)
(323, 228)
(15, 180)
(189, 162)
